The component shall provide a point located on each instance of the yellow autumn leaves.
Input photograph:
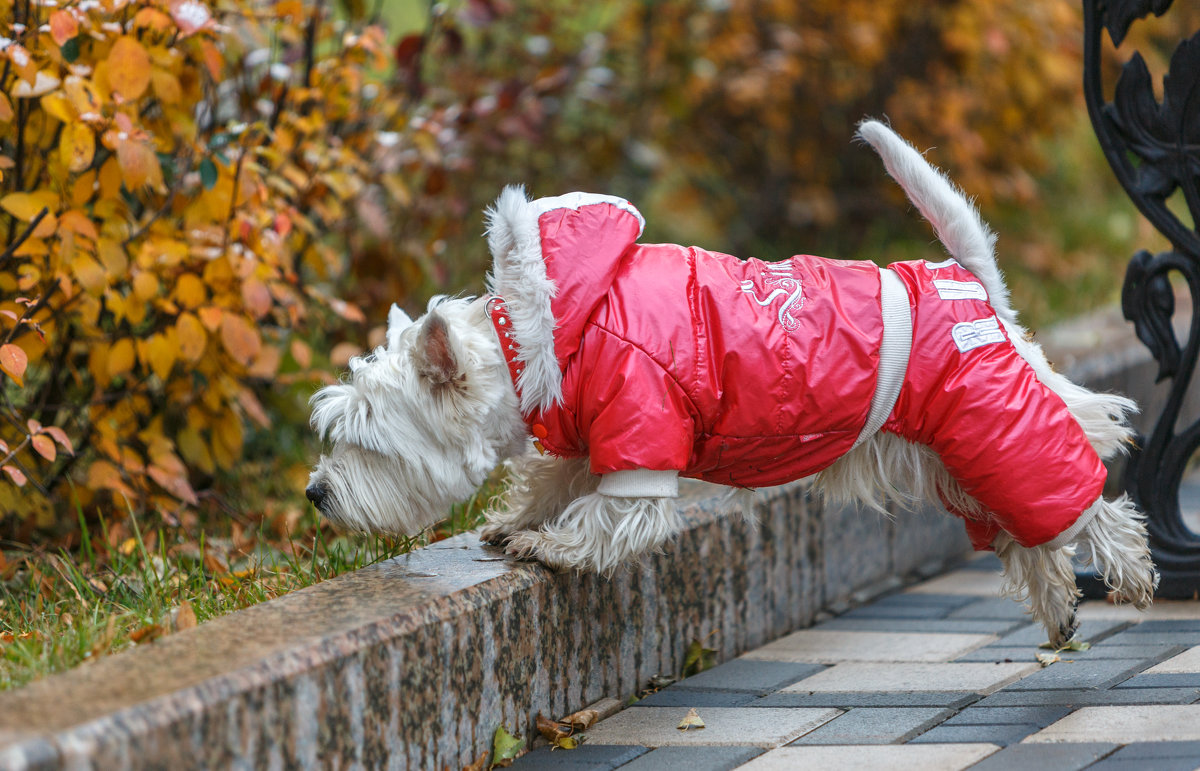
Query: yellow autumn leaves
(150, 288)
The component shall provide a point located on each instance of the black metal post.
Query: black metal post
(1154, 148)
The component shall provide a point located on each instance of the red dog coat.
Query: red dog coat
(753, 374)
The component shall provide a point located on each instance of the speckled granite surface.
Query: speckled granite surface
(413, 663)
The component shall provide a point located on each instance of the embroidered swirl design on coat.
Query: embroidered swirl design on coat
(779, 279)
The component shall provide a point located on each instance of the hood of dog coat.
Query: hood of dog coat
(554, 260)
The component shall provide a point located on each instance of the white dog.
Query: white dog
(627, 365)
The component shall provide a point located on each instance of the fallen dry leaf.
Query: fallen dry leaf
(505, 748)
(581, 720)
(552, 730)
(186, 617)
(480, 763)
(697, 659)
(1046, 659)
(691, 721)
(657, 683)
(148, 633)
(561, 733)
(9, 637)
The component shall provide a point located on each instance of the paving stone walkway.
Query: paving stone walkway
(941, 676)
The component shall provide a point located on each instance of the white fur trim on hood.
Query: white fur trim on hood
(519, 276)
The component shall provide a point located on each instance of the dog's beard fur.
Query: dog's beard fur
(423, 421)
(419, 425)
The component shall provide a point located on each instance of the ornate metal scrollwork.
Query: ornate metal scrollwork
(1154, 149)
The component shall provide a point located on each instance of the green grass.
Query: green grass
(115, 592)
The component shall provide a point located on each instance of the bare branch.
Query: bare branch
(7, 254)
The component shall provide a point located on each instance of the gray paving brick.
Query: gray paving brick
(937, 626)
(911, 606)
(1136, 635)
(900, 677)
(1002, 734)
(1092, 698)
(1187, 661)
(1097, 673)
(833, 646)
(872, 757)
(1092, 630)
(589, 757)
(1151, 750)
(724, 726)
(973, 583)
(1165, 680)
(897, 612)
(1108, 649)
(1151, 654)
(1159, 764)
(875, 725)
(696, 697)
(1125, 724)
(849, 699)
(992, 607)
(1190, 626)
(693, 759)
(1040, 716)
(989, 563)
(1001, 655)
(759, 677)
(942, 599)
(1060, 757)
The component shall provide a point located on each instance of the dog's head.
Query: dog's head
(417, 425)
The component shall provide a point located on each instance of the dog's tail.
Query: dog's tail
(956, 222)
(1103, 417)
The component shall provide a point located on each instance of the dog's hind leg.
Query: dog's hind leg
(1114, 540)
(1045, 578)
(598, 532)
(540, 487)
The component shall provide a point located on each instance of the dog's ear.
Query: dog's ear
(435, 351)
(398, 321)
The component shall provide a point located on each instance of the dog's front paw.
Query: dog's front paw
(494, 533)
(535, 547)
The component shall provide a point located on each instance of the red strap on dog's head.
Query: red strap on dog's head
(502, 322)
(498, 312)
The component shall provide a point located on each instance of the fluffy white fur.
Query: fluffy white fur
(519, 276)
(409, 441)
(420, 423)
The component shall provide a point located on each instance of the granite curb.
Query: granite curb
(414, 662)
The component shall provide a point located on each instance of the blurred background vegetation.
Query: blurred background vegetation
(209, 206)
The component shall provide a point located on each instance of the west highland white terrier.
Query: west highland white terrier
(602, 369)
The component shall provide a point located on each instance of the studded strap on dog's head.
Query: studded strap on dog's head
(502, 322)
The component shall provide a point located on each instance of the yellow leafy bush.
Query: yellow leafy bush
(151, 279)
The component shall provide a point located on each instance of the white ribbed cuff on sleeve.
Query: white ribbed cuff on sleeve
(640, 483)
(1068, 535)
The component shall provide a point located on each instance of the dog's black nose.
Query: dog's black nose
(317, 494)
